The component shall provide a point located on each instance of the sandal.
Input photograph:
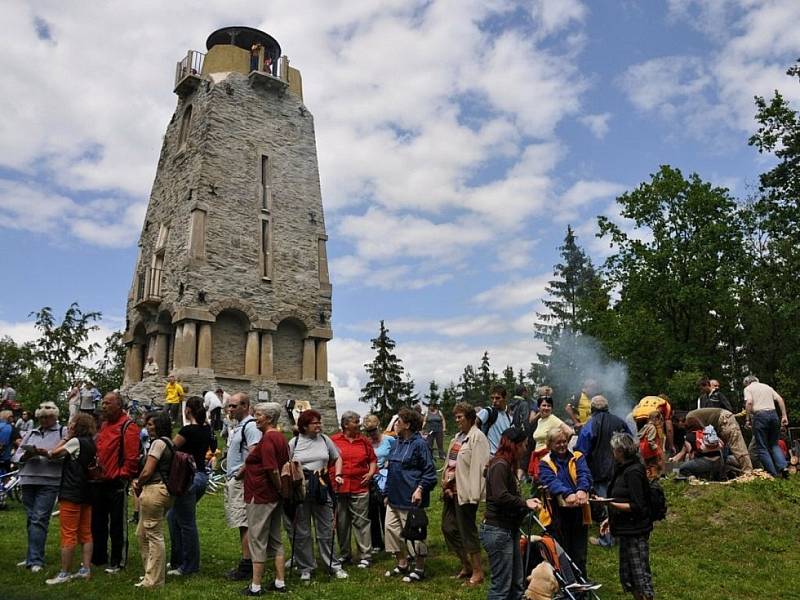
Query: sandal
(363, 564)
(398, 570)
(461, 575)
(473, 583)
(414, 576)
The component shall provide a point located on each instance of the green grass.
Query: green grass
(727, 541)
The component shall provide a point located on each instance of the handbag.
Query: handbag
(415, 529)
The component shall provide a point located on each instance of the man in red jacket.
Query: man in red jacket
(118, 457)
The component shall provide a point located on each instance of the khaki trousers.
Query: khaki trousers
(732, 435)
(352, 515)
(154, 503)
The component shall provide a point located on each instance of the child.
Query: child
(651, 445)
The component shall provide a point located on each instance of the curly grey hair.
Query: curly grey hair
(626, 444)
(347, 416)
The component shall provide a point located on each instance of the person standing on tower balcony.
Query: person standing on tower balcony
(255, 52)
(173, 397)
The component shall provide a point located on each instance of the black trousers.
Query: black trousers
(110, 517)
(377, 517)
(572, 534)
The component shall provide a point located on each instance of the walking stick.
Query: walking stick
(333, 530)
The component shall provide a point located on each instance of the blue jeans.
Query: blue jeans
(182, 519)
(39, 501)
(502, 547)
(766, 428)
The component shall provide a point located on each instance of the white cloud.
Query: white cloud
(582, 193)
(597, 124)
(517, 292)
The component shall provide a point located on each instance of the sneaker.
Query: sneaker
(36, 568)
(274, 588)
(363, 563)
(249, 592)
(113, 570)
(176, 572)
(22, 563)
(82, 573)
(340, 574)
(305, 576)
(62, 577)
(595, 541)
(414, 576)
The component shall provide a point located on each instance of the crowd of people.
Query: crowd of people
(365, 489)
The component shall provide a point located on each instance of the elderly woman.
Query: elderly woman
(542, 422)
(567, 479)
(40, 480)
(262, 496)
(315, 452)
(359, 464)
(505, 510)
(382, 445)
(629, 517)
(194, 438)
(411, 477)
(75, 506)
(154, 500)
(463, 488)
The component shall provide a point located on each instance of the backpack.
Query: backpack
(182, 469)
(490, 420)
(415, 529)
(658, 502)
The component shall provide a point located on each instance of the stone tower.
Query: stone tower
(231, 283)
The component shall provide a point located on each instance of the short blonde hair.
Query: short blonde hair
(554, 433)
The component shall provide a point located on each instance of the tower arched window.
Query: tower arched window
(186, 122)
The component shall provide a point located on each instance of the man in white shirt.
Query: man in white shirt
(759, 402)
(213, 405)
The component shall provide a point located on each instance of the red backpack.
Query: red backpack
(182, 469)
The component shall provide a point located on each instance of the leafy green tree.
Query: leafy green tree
(15, 360)
(677, 277)
(110, 369)
(770, 300)
(385, 391)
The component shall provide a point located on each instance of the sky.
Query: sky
(457, 140)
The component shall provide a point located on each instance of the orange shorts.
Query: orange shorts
(76, 523)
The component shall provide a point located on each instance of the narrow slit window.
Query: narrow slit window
(197, 234)
(266, 249)
(186, 122)
(266, 188)
(322, 258)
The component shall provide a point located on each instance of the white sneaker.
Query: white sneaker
(113, 570)
(305, 576)
(36, 568)
(82, 573)
(62, 577)
(177, 572)
(340, 574)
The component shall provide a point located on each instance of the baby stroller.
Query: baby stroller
(537, 548)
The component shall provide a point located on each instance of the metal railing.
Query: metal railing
(191, 64)
(148, 284)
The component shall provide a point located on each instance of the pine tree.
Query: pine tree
(469, 388)
(385, 391)
(449, 398)
(409, 396)
(433, 396)
(509, 380)
(486, 377)
(577, 295)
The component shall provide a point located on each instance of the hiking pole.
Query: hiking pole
(333, 529)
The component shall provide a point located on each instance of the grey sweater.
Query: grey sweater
(39, 470)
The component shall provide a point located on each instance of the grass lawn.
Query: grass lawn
(736, 541)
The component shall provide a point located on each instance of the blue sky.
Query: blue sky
(456, 140)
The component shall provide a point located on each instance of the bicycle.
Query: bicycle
(9, 487)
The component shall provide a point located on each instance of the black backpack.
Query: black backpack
(180, 475)
(490, 420)
(658, 502)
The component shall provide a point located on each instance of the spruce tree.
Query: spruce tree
(385, 391)
(433, 396)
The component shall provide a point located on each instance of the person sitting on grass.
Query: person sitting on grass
(74, 501)
(412, 476)
(651, 445)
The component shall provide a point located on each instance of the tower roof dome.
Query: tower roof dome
(244, 37)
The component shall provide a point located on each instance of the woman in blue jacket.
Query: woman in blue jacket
(568, 480)
(411, 478)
